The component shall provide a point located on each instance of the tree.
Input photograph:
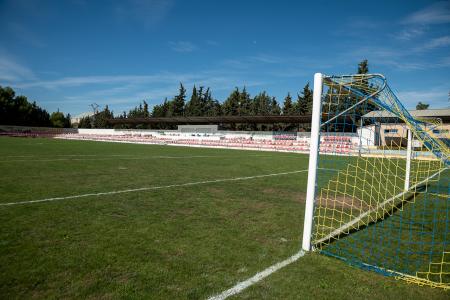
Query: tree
(422, 106)
(193, 106)
(275, 109)
(159, 111)
(245, 103)
(101, 118)
(211, 106)
(58, 120)
(178, 102)
(363, 67)
(146, 113)
(304, 101)
(17, 110)
(288, 107)
(140, 111)
(85, 122)
(262, 104)
(67, 121)
(231, 105)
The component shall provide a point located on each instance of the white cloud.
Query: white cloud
(107, 80)
(402, 58)
(12, 71)
(437, 97)
(434, 43)
(182, 46)
(124, 92)
(409, 33)
(436, 13)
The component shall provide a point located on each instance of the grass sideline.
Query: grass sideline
(186, 242)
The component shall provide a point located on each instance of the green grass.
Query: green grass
(186, 242)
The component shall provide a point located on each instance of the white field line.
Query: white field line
(348, 225)
(130, 157)
(239, 287)
(151, 188)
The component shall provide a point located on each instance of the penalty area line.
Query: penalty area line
(239, 287)
(151, 188)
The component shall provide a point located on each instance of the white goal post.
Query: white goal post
(313, 160)
(370, 201)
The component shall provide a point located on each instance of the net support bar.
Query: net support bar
(313, 159)
(408, 160)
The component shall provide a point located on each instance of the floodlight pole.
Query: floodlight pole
(408, 160)
(313, 159)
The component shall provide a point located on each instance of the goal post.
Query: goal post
(313, 160)
(368, 202)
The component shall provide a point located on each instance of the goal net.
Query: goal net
(378, 183)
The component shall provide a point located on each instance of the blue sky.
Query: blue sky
(69, 54)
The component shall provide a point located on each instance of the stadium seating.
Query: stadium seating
(276, 142)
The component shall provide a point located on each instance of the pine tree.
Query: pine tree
(101, 119)
(367, 106)
(85, 122)
(204, 98)
(211, 106)
(288, 107)
(67, 121)
(146, 113)
(58, 120)
(17, 110)
(274, 107)
(304, 101)
(178, 102)
(231, 106)
(193, 106)
(262, 104)
(422, 106)
(363, 67)
(245, 103)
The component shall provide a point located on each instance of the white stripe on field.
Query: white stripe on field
(152, 188)
(239, 287)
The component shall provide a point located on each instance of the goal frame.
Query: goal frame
(314, 160)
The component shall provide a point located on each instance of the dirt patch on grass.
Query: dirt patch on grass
(342, 201)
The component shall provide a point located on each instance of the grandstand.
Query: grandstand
(383, 130)
(203, 135)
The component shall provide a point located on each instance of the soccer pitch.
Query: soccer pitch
(84, 219)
